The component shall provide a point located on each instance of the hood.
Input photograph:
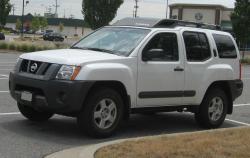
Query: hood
(69, 56)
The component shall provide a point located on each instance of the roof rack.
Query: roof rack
(163, 23)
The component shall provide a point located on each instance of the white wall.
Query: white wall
(10, 25)
(68, 31)
(226, 15)
(71, 31)
(175, 12)
(208, 15)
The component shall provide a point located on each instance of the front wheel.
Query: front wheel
(213, 110)
(102, 113)
(32, 114)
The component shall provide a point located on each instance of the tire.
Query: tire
(213, 110)
(99, 103)
(34, 115)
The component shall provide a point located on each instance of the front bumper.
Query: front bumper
(236, 87)
(56, 96)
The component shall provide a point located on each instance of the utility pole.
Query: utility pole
(136, 8)
(56, 7)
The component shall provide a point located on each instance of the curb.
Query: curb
(90, 150)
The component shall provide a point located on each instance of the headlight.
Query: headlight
(17, 64)
(67, 72)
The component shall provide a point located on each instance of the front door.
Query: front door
(161, 71)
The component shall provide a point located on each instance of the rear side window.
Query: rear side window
(225, 46)
(197, 46)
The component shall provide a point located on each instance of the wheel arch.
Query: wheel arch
(225, 86)
(117, 86)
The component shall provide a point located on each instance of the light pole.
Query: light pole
(22, 20)
(23, 17)
(167, 9)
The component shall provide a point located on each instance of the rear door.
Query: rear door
(198, 59)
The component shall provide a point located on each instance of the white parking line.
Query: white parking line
(4, 91)
(10, 113)
(238, 122)
(7, 65)
(7, 62)
(3, 75)
(238, 105)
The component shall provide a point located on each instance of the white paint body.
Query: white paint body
(137, 75)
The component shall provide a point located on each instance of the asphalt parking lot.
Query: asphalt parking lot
(20, 138)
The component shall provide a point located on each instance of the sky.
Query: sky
(147, 8)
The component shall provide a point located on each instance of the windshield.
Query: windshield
(114, 40)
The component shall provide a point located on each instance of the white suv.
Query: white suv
(135, 66)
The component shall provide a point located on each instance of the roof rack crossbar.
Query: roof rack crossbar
(163, 23)
(174, 23)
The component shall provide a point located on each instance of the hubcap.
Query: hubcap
(215, 110)
(105, 113)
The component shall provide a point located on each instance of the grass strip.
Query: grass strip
(229, 143)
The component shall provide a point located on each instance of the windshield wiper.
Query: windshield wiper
(77, 48)
(101, 50)
(95, 49)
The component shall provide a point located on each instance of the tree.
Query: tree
(241, 22)
(61, 27)
(35, 23)
(98, 13)
(18, 24)
(5, 8)
(43, 23)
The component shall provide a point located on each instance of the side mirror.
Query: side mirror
(152, 54)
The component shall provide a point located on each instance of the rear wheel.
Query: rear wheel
(102, 114)
(32, 114)
(213, 110)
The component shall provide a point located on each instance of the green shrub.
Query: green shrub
(12, 46)
(245, 61)
(24, 48)
(39, 48)
(18, 47)
(3, 45)
(31, 48)
(45, 48)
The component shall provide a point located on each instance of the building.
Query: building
(72, 27)
(204, 13)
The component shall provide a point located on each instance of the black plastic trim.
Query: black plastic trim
(190, 108)
(166, 94)
(236, 87)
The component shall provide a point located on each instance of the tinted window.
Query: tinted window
(225, 46)
(163, 47)
(197, 46)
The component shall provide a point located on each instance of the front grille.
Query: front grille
(34, 67)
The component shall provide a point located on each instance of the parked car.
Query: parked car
(135, 66)
(2, 36)
(53, 37)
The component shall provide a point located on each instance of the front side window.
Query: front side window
(225, 46)
(114, 40)
(162, 47)
(197, 46)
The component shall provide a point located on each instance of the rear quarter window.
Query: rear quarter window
(225, 46)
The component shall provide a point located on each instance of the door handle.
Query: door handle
(178, 68)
